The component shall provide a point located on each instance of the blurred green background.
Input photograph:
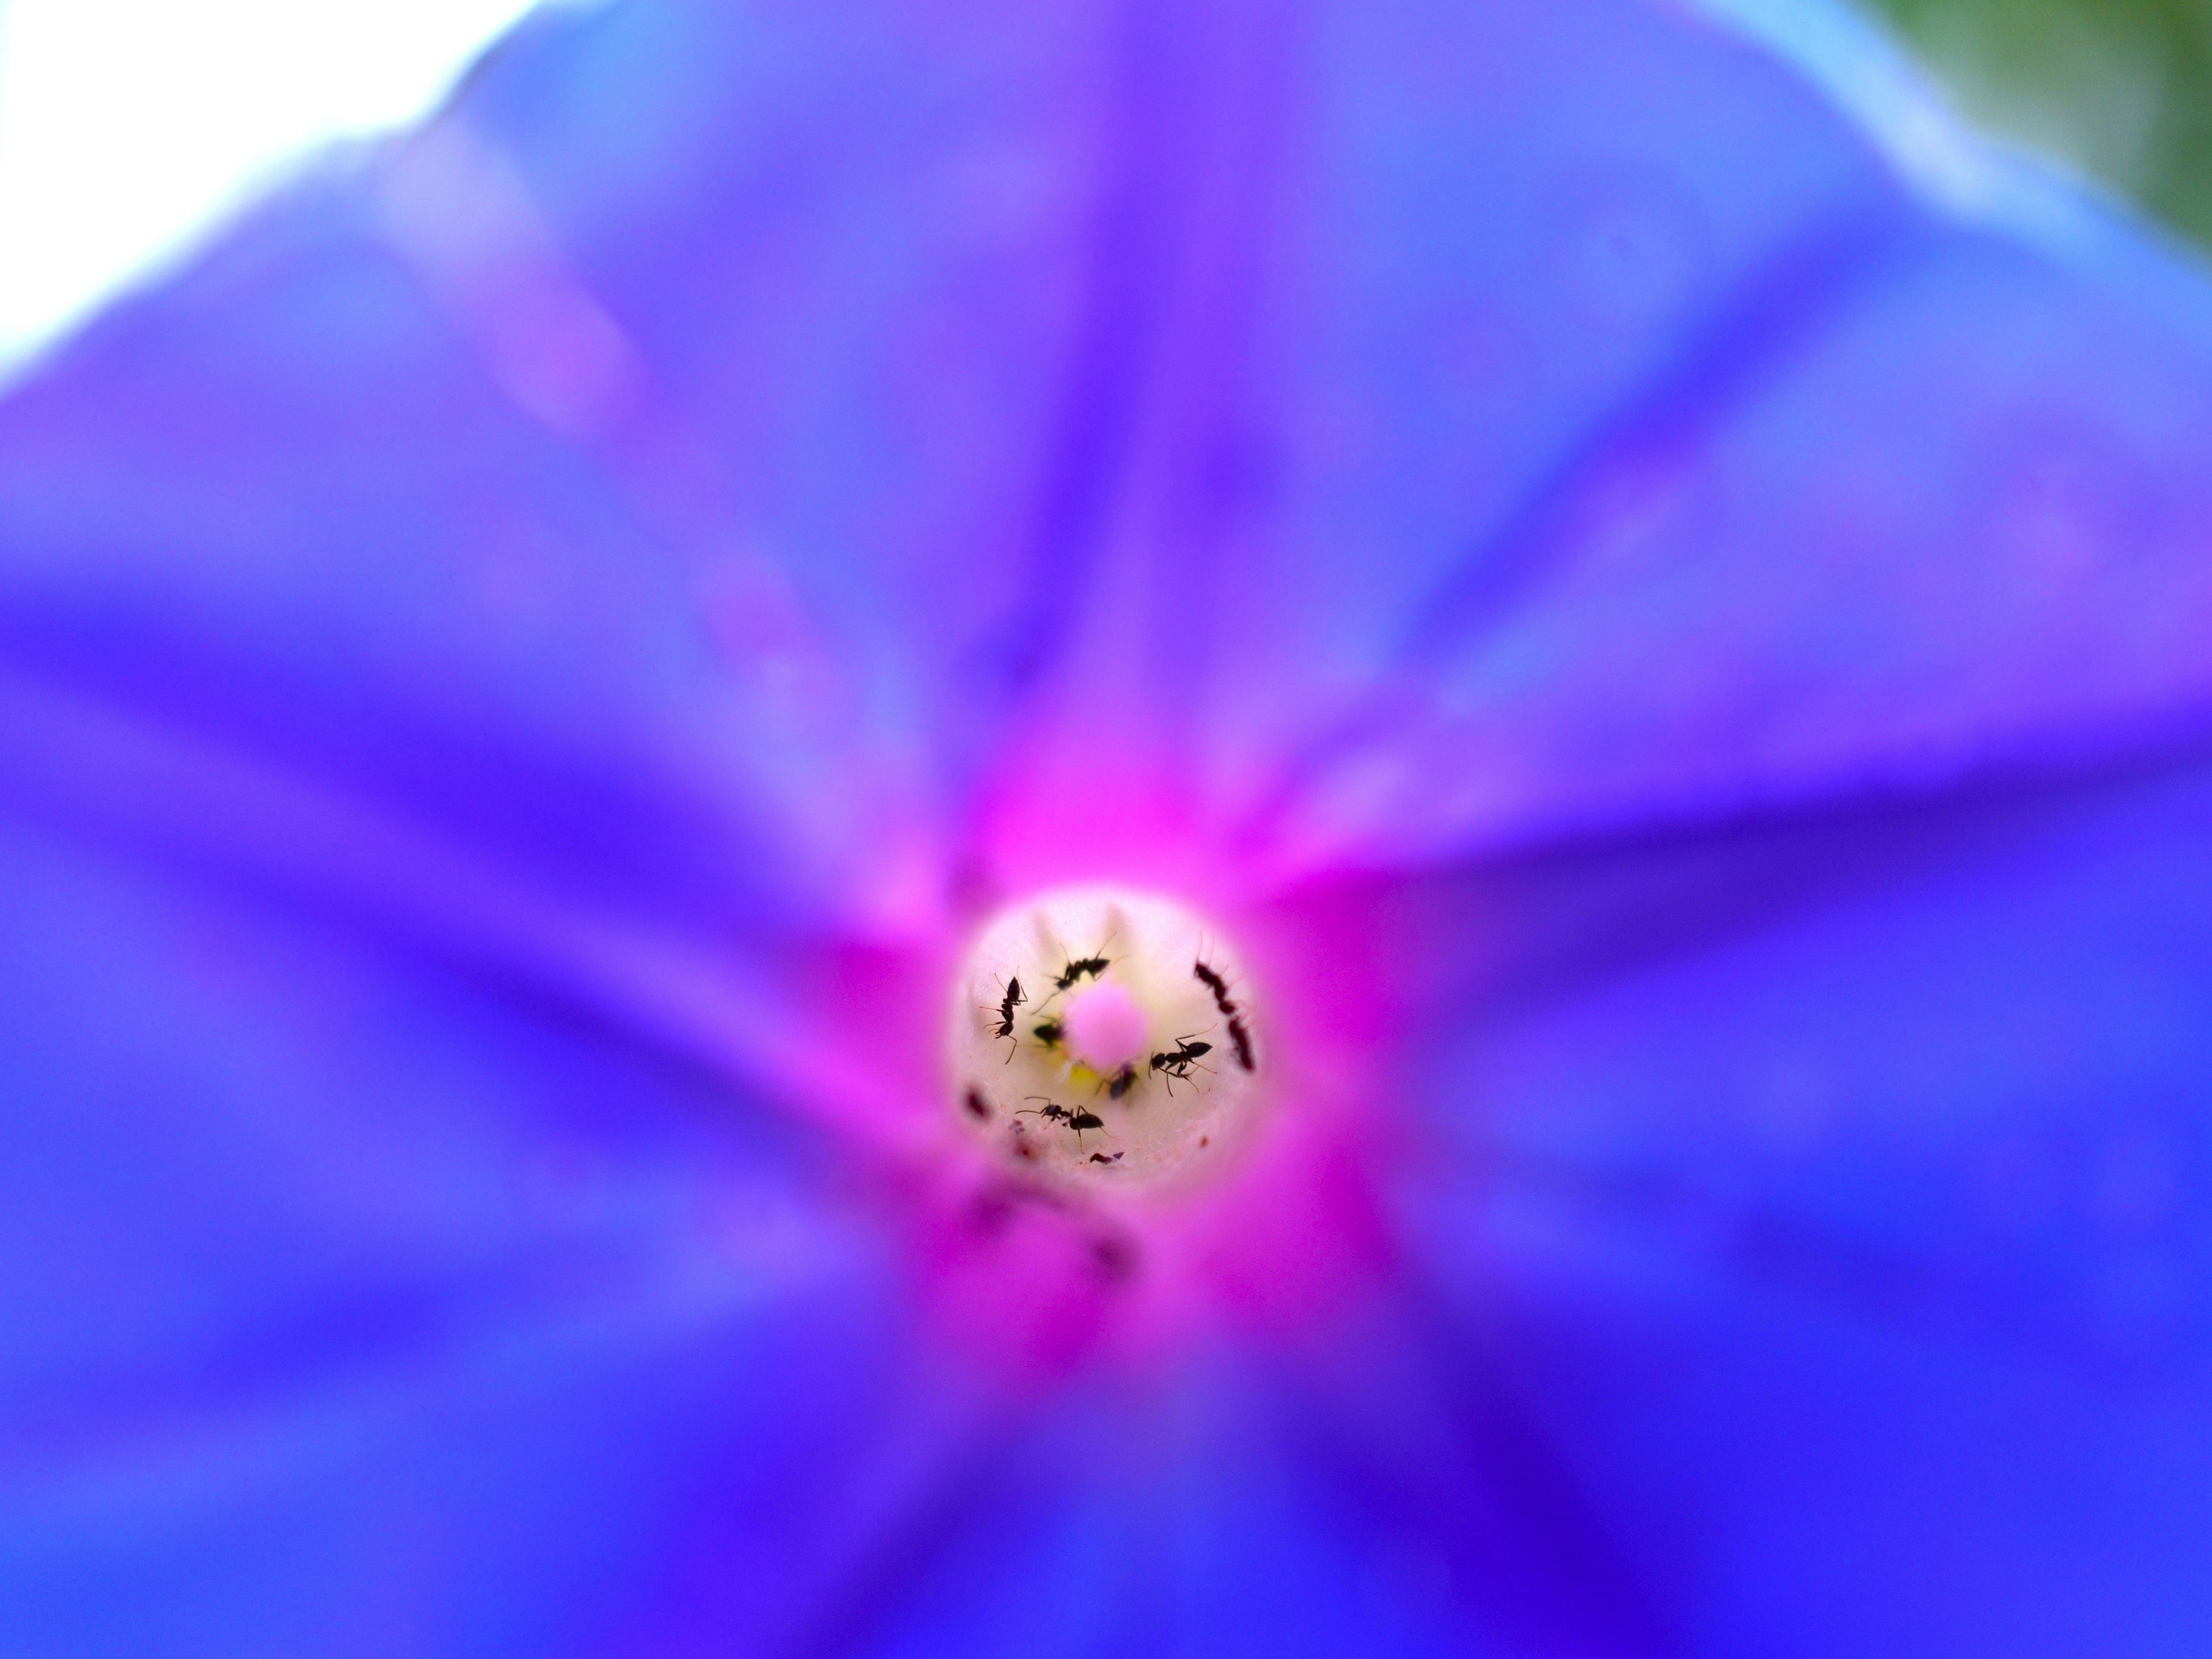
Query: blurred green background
(2120, 89)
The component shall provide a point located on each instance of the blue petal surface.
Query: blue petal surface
(1833, 1194)
(1226, 1510)
(362, 1300)
(1176, 365)
(1924, 495)
(1960, 529)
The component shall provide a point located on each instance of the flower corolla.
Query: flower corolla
(671, 750)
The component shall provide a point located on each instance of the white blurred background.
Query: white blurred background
(126, 126)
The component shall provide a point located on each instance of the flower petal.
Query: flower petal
(1206, 1511)
(1412, 264)
(1834, 1195)
(1889, 480)
(1962, 529)
(629, 478)
(361, 1301)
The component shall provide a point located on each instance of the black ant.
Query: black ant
(1076, 1119)
(1008, 1003)
(1215, 983)
(1241, 1040)
(1048, 1031)
(1176, 1061)
(1081, 968)
(1119, 1082)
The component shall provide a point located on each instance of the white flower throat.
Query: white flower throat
(1104, 1038)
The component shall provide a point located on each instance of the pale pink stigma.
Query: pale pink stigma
(1105, 1027)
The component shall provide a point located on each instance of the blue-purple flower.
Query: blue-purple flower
(1660, 594)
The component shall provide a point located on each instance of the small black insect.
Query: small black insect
(1012, 1000)
(1048, 1032)
(1081, 968)
(1176, 1061)
(1241, 1040)
(1118, 1084)
(1075, 1117)
(1214, 983)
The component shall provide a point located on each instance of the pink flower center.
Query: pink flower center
(1105, 1027)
